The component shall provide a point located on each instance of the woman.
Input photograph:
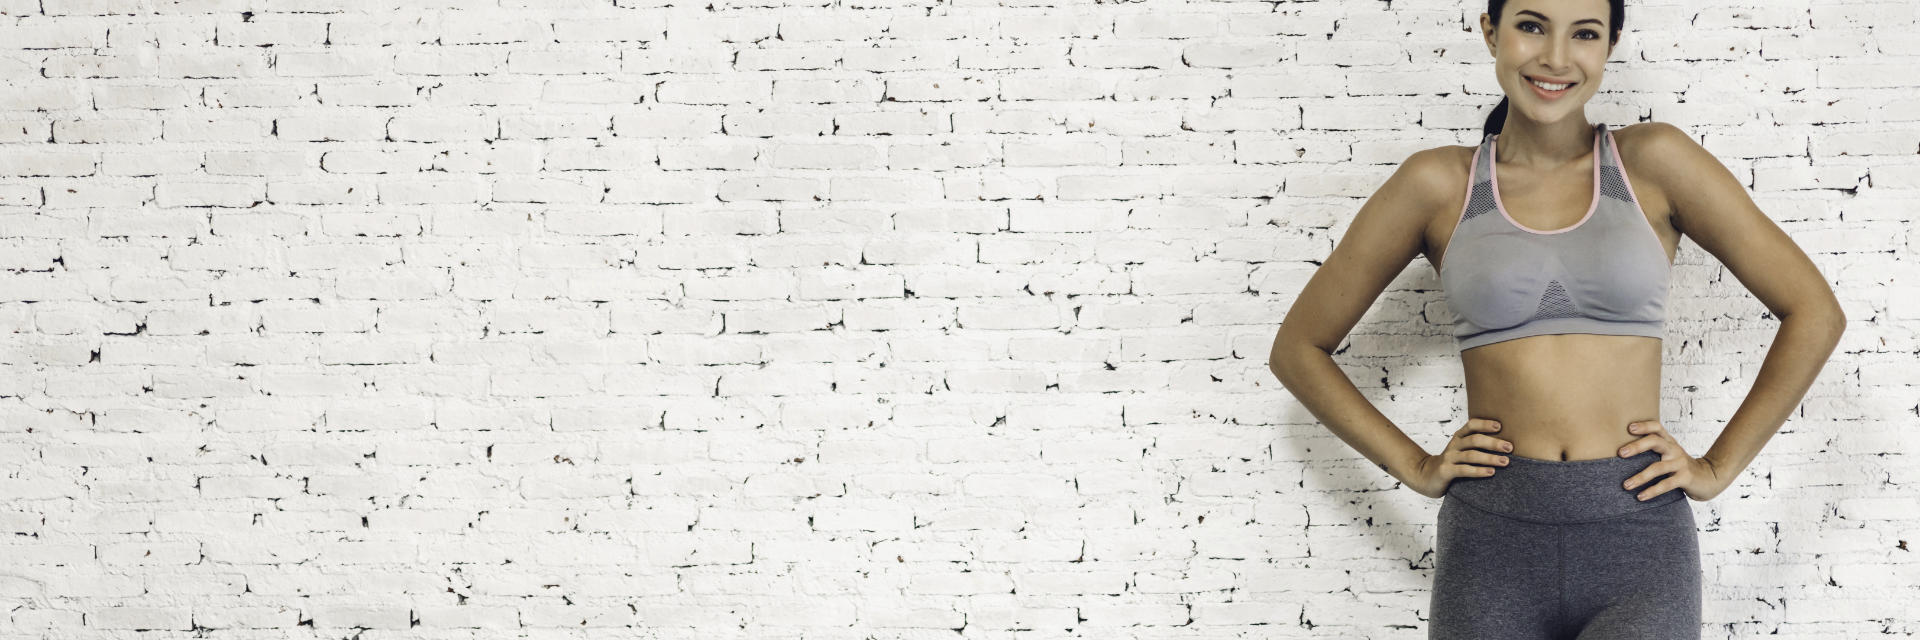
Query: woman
(1561, 496)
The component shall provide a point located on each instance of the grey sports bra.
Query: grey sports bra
(1607, 274)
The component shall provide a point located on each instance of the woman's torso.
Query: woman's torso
(1562, 396)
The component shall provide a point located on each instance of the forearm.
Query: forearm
(1318, 383)
(1800, 349)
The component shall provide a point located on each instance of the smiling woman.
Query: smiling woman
(1565, 56)
(1541, 540)
(1553, 239)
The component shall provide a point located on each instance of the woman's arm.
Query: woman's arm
(1318, 383)
(1711, 207)
(1800, 349)
(1385, 236)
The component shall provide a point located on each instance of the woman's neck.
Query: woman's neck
(1545, 146)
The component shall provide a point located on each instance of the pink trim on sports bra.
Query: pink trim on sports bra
(1493, 167)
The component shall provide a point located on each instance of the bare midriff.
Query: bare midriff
(1565, 397)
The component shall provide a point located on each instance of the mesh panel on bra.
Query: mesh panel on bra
(1481, 201)
(1555, 303)
(1612, 185)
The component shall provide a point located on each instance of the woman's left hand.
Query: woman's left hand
(1695, 475)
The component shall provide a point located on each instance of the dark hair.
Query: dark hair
(1617, 17)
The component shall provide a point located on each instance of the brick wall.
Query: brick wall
(718, 320)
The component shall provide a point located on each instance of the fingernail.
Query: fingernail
(1506, 447)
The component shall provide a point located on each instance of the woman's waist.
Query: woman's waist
(1560, 429)
(1560, 491)
(1563, 442)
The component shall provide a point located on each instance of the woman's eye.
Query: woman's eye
(1588, 32)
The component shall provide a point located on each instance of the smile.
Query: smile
(1549, 90)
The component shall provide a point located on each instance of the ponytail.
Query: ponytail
(1495, 120)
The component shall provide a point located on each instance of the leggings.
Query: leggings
(1559, 550)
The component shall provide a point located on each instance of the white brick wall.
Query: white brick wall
(722, 320)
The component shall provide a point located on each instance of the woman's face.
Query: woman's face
(1554, 41)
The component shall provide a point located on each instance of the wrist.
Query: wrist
(1719, 471)
(1408, 467)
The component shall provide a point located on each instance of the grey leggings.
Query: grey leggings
(1559, 550)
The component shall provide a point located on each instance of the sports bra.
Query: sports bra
(1606, 274)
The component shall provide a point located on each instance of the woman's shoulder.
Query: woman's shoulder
(1660, 153)
(1431, 183)
(1442, 169)
(1649, 140)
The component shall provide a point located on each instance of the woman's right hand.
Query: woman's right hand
(1461, 458)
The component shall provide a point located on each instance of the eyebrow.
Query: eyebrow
(1527, 12)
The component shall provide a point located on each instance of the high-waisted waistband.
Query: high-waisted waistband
(1563, 491)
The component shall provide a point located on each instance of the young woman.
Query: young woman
(1562, 496)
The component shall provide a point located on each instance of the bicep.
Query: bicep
(1712, 207)
(1384, 237)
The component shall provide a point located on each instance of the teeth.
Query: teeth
(1549, 87)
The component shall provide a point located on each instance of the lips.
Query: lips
(1545, 94)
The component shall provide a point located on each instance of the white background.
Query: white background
(863, 320)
